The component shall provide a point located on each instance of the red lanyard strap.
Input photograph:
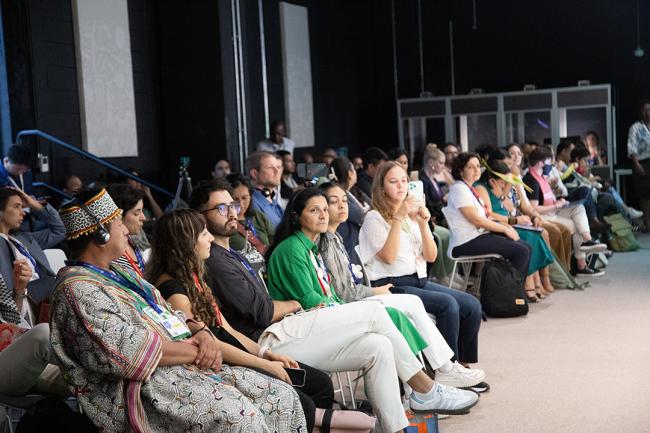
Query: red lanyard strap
(478, 198)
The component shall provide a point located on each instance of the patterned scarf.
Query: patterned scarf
(8, 309)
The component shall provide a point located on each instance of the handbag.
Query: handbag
(343, 421)
(421, 423)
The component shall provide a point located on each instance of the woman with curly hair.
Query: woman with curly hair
(177, 267)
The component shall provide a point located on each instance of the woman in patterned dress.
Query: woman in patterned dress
(127, 355)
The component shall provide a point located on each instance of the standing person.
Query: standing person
(395, 245)
(181, 245)
(355, 336)
(28, 246)
(278, 139)
(131, 202)
(15, 170)
(348, 282)
(597, 156)
(373, 158)
(153, 210)
(638, 150)
(289, 179)
(265, 171)
(134, 363)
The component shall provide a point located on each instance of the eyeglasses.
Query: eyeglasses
(224, 209)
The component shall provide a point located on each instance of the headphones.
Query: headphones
(266, 192)
(101, 236)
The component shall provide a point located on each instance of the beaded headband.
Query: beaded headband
(78, 222)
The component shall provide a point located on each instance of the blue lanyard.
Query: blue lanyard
(138, 255)
(250, 227)
(24, 252)
(244, 263)
(117, 277)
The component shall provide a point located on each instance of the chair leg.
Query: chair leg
(453, 274)
(352, 389)
(340, 389)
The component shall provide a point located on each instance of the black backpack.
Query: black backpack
(502, 290)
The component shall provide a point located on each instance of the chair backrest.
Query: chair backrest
(56, 258)
(146, 254)
(445, 212)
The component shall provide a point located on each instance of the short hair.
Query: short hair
(484, 150)
(396, 152)
(282, 153)
(564, 144)
(540, 153)
(125, 196)
(19, 154)
(579, 152)
(373, 155)
(5, 194)
(254, 160)
(460, 162)
(201, 193)
(496, 155)
(450, 144)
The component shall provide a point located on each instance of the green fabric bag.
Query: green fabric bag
(622, 235)
(562, 279)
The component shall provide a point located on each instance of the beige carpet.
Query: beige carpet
(579, 362)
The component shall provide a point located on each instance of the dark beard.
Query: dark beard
(217, 230)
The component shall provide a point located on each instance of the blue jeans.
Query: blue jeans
(458, 315)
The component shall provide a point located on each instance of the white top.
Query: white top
(373, 236)
(462, 230)
(268, 146)
(638, 141)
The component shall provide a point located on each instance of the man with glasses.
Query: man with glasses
(265, 171)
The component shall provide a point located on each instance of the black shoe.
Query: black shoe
(479, 388)
(588, 272)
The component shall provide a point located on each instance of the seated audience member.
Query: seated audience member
(254, 231)
(348, 279)
(181, 245)
(357, 161)
(572, 216)
(29, 246)
(597, 156)
(26, 357)
(495, 189)
(278, 139)
(451, 151)
(265, 171)
(153, 210)
(15, 170)
(400, 156)
(221, 169)
(395, 245)
(373, 158)
(328, 155)
(559, 235)
(474, 232)
(130, 201)
(358, 335)
(345, 175)
(72, 184)
(136, 363)
(289, 178)
(307, 158)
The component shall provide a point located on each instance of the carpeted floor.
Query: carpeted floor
(579, 362)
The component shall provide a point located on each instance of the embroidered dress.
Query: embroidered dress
(109, 351)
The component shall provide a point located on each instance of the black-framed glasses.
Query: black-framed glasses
(224, 209)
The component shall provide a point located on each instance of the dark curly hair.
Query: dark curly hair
(173, 252)
(460, 162)
(125, 196)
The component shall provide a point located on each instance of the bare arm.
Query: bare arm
(282, 308)
(548, 209)
(156, 210)
(469, 212)
(390, 250)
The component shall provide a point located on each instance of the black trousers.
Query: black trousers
(318, 391)
(517, 252)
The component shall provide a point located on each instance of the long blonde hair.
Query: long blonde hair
(379, 202)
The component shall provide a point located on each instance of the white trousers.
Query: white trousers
(575, 218)
(437, 351)
(350, 337)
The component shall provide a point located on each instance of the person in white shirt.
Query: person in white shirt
(278, 139)
(638, 150)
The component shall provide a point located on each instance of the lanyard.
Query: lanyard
(250, 227)
(201, 289)
(354, 278)
(244, 263)
(321, 273)
(121, 279)
(139, 265)
(478, 198)
(20, 247)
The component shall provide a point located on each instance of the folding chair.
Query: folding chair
(56, 258)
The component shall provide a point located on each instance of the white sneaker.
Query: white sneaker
(460, 377)
(443, 399)
(633, 213)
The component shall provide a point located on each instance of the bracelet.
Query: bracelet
(512, 220)
(262, 351)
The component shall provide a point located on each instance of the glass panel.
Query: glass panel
(527, 127)
(474, 130)
(580, 121)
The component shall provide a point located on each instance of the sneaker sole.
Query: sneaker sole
(594, 249)
(597, 274)
(463, 411)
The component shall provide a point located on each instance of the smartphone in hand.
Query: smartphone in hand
(297, 376)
